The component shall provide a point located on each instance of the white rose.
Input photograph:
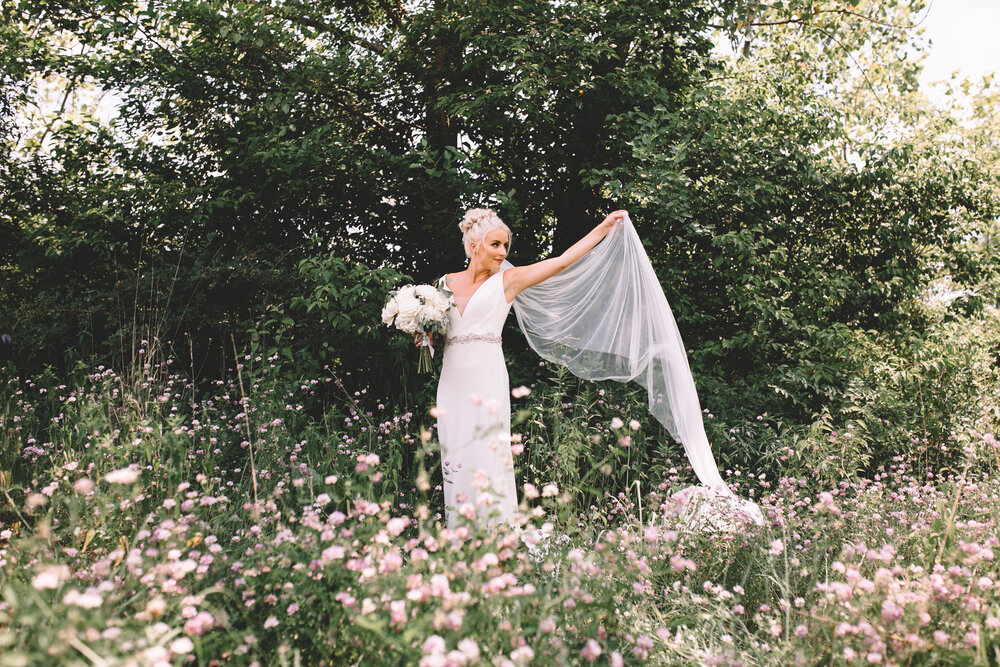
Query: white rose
(389, 312)
(426, 292)
(408, 305)
(428, 313)
(406, 323)
(441, 302)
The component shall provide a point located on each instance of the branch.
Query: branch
(832, 37)
(142, 30)
(394, 13)
(808, 19)
(854, 60)
(354, 111)
(714, 79)
(377, 49)
(288, 14)
(70, 87)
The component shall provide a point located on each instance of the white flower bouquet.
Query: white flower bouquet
(420, 311)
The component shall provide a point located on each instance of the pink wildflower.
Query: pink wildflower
(397, 611)
(50, 577)
(123, 475)
(591, 651)
(433, 645)
(679, 563)
(439, 586)
(891, 611)
(522, 655)
(397, 525)
(469, 647)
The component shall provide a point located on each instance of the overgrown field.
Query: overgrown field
(148, 520)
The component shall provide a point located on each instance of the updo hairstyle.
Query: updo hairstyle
(476, 224)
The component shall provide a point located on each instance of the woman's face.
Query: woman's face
(493, 248)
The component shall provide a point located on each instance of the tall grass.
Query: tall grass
(131, 533)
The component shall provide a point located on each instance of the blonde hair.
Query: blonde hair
(477, 223)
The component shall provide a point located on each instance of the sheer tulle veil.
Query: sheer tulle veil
(606, 318)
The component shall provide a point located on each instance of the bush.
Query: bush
(331, 327)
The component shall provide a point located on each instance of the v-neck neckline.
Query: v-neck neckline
(468, 302)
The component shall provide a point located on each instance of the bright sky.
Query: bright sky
(965, 35)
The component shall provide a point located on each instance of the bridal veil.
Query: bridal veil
(606, 318)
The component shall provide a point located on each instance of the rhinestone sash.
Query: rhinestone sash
(472, 338)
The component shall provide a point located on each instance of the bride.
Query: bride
(597, 309)
(473, 403)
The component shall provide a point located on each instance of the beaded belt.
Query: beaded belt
(472, 338)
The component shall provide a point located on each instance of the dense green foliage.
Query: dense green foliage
(786, 196)
(245, 128)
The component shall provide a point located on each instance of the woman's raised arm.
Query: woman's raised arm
(519, 278)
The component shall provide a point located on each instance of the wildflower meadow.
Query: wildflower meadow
(151, 520)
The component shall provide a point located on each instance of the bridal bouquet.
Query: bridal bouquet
(418, 310)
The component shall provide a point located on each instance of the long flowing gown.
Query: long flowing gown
(604, 318)
(473, 401)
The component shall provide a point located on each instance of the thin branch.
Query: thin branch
(377, 49)
(926, 14)
(847, 51)
(716, 78)
(394, 13)
(141, 29)
(322, 26)
(70, 87)
(833, 38)
(808, 19)
(245, 404)
(354, 111)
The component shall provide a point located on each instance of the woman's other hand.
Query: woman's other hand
(418, 339)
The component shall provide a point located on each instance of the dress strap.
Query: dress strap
(442, 284)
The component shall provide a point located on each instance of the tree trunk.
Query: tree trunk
(441, 197)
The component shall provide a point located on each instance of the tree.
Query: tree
(807, 196)
(255, 130)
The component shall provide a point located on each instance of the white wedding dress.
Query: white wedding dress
(473, 402)
(604, 318)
